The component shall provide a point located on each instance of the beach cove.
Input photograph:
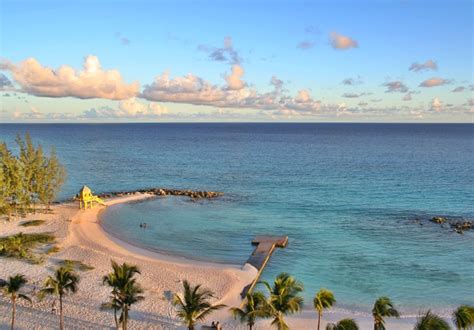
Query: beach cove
(80, 237)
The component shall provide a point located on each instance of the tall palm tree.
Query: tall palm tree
(194, 304)
(254, 307)
(63, 282)
(125, 291)
(284, 299)
(463, 317)
(344, 324)
(383, 307)
(324, 299)
(430, 321)
(11, 289)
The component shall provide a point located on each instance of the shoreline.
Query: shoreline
(81, 237)
(151, 253)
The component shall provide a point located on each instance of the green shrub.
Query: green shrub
(75, 265)
(22, 246)
(32, 223)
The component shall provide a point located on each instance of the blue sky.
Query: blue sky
(221, 56)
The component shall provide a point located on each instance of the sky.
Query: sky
(237, 61)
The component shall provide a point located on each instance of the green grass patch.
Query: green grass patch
(23, 246)
(32, 223)
(53, 249)
(75, 264)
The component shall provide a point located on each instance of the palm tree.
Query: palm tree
(63, 282)
(344, 324)
(383, 307)
(463, 317)
(284, 299)
(125, 291)
(324, 299)
(194, 304)
(430, 321)
(253, 308)
(11, 289)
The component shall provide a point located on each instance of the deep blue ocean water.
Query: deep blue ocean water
(345, 194)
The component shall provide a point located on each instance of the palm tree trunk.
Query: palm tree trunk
(319, 319)
(61, 321)
(115, 318)
(125, 318)
(13, 311)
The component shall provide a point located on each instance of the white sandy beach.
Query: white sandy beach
(80, 237)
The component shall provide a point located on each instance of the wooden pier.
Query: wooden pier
(265, 245)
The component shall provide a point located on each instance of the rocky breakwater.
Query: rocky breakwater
(458, 226)
(193, 194)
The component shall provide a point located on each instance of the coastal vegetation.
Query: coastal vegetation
(431, 321)
(254, 307)
(11, 289)
(383, 308)
(344, 324)
(23, 246)
(284, 299)
(324, 299)
(463, 317)
(63, 281)
(194, 304)
(125, 291)
(29, 178)
(75, 265)
(32, 223)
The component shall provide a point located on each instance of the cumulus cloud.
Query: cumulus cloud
(222, 54)
(277, 83)
(436, 104)
(435, 81)
(339, 41)
(234, 80)
(305, 44)
(395, 86)
(91, 82)
(130, 108)
(459, 89)
(407, 97)
(352, 81)
(34, 115)
(234, 94)
(428, 65)
(351, 95)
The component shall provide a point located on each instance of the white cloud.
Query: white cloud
(459, 89)
(435, 81)
(396, 86)
(428, 65)
(91, 82)
(436, 104)
(234, 80)
(131, 108)
(339, 41)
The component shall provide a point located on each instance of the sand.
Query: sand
(80, 237)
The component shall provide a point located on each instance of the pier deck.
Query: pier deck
(265, 245)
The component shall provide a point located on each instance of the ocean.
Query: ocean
(354, 199)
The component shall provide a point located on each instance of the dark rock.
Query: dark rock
(439, 220)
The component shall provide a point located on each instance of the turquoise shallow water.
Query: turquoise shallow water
(345, 194)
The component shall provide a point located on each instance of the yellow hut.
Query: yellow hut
(86, 198)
